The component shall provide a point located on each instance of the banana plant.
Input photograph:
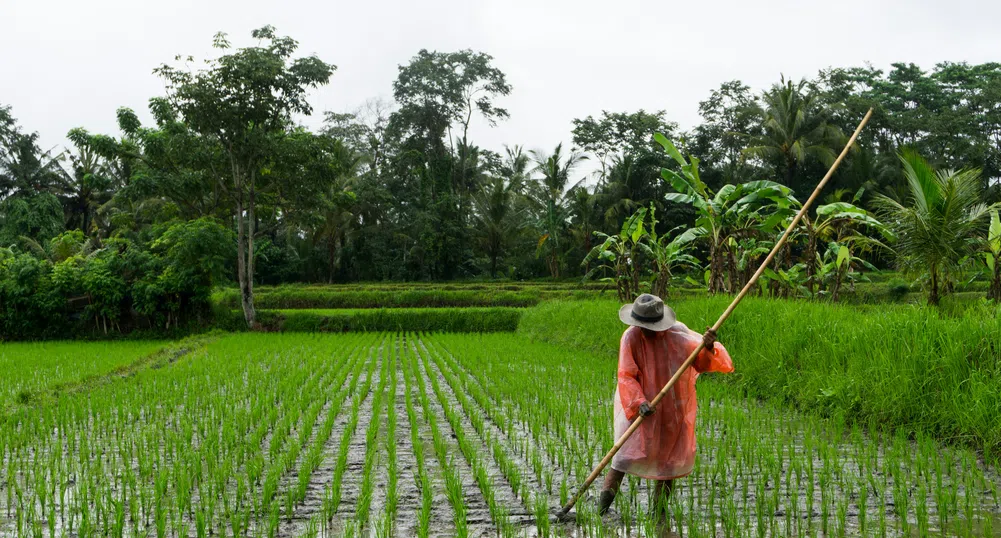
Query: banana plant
(788, 282)
(667, 254)
(835, 221)
(733, 212)
(838, 264)
(617, 254)
(992, 257)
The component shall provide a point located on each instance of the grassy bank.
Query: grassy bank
(303, 297)
(895, 365)
(492, 319)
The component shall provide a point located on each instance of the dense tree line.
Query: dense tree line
(225, 184)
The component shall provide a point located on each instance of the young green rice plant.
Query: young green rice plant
(373, 450)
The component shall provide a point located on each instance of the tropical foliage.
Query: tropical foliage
(400, 190)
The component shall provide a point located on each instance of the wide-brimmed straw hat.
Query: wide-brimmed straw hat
(648, 311)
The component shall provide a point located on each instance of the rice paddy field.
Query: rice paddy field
(487, 432)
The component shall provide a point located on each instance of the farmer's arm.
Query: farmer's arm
(630, 391)
(714, 359)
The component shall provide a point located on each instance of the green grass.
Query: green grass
(903, 366)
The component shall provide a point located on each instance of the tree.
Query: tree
(616, 134)
(549, 195)
(87, 186)
(438, 93)
(667, 255)
(729, 115)
(794, 130)
(245, 102)
(942, 223)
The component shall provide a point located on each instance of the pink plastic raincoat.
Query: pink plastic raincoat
(663, 447)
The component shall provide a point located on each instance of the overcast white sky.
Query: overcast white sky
(69, 63)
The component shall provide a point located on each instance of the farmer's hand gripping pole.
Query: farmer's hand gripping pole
(563, 514)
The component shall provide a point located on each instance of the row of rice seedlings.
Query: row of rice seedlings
(450, 473)
(372, 449)
(499, 514)
(169, 450)
(388, 523)
(421, 475)
(332, 494)
(548, 415)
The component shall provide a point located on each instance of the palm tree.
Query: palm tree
(584, 217)
(338, 208)
(550, 199)
(86, 187)
(794, 129)
(942, 224)
(494, 218)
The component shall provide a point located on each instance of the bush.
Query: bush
(898, 289)
(70, 290)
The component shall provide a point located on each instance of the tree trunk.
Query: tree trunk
(933, 297)
(995, 290)
(716, 278)
(811, 264)
(245, 250)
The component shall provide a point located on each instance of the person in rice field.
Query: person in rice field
(651, 350)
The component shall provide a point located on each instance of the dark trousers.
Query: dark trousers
(661, 493)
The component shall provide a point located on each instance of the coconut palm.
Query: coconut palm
(942, 223)
(794, 129)
(495, 217)
(549, 196)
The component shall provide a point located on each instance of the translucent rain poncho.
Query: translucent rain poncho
(663, 447)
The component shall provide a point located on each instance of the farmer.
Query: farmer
(650, 352)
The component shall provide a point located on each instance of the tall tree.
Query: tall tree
(616, 134)
(439, 94)
(549, 195)
(245, 102)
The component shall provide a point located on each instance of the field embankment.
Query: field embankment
(472, 319)
(898, 366)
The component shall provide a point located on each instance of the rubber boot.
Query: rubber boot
(605, 501)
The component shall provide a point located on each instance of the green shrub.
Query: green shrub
(897, 289)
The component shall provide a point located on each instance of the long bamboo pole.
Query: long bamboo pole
(562, 514)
